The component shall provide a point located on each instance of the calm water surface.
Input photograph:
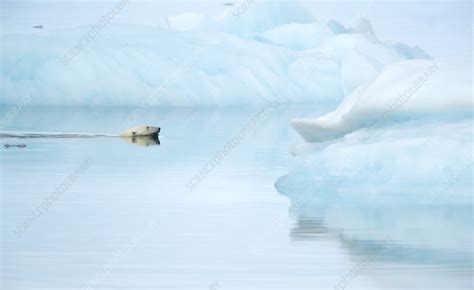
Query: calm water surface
(130, 220)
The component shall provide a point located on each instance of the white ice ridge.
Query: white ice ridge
(273, 51)
(404, 90)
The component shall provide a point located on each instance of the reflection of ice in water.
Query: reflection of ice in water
(418, 235)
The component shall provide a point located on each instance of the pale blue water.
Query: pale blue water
(129, 221)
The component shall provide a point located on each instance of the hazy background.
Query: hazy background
(441, 28)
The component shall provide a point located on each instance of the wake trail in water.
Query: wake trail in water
(22, 135)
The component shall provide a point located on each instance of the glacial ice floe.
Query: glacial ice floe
(273, 51)
(402, 91)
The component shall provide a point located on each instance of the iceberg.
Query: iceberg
(403, 91)
(259, 56)
(392, 160)
(370, 165)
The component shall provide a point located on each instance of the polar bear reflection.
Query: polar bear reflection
(143, 140)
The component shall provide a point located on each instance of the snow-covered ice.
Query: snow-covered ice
(262, 55)
(402, 91)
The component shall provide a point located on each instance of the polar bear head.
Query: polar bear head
(141, 131)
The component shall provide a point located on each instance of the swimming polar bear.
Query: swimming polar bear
(141, 131)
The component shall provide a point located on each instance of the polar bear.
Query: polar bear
(141, 131)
